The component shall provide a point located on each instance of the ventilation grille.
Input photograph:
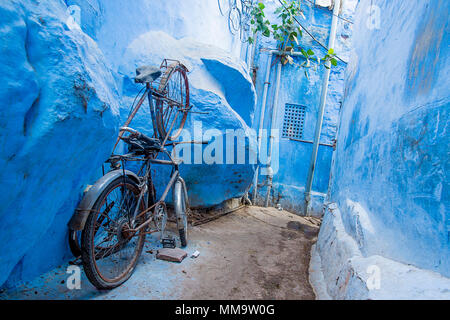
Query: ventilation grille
(294, 119)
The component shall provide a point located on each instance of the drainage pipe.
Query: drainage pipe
(261, 123)
(323, 97)
(262, 113)
(272, 123)
(251, 56)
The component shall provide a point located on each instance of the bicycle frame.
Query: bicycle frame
(143, 179)
(147, 185)
(149, 93)
(134, 198)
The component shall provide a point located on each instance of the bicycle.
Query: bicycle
(120, 209)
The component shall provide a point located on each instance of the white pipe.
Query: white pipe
(262, 112)
(261, 118)
(248, 56)
(323, 97)
(251, 63)
(289, 53)
(272, 123)
(261, 122)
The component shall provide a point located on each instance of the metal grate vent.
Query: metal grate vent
(294, 118)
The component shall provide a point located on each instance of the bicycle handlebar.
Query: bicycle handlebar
(130, 130)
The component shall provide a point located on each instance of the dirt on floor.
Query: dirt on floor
(254, 253)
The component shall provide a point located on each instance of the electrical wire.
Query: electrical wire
(309, 33)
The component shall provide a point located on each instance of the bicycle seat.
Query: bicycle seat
(142, 144)
(146, 74)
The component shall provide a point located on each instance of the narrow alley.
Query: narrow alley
(253, 253)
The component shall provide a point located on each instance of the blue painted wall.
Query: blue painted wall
(66, 90)
(393, 153)
(295, 88)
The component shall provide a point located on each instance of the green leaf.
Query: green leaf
(331, 51)
(333, 62)
(310, 52)
(261, 5)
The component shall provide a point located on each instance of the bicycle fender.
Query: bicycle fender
(81, 214)
(178, 195)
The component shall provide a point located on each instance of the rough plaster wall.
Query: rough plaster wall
(341, 268)
(392, 160)
(59, 111)
(294, 159)
(115, 24)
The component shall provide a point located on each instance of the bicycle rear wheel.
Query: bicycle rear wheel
(172, 111)
(109, 250)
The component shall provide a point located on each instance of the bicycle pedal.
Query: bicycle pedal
(168, 243)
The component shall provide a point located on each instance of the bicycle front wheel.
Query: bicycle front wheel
(110, 251)
(181, 211)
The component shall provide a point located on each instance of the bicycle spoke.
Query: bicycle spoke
(114, 246)
(175, 88)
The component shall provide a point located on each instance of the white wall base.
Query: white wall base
(338, 270)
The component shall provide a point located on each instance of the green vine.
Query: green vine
(287, 33)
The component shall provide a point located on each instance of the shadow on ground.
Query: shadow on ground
(254, 253)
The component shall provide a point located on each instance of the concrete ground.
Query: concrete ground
(253, 253)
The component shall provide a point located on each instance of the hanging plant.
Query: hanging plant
(287, 33)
